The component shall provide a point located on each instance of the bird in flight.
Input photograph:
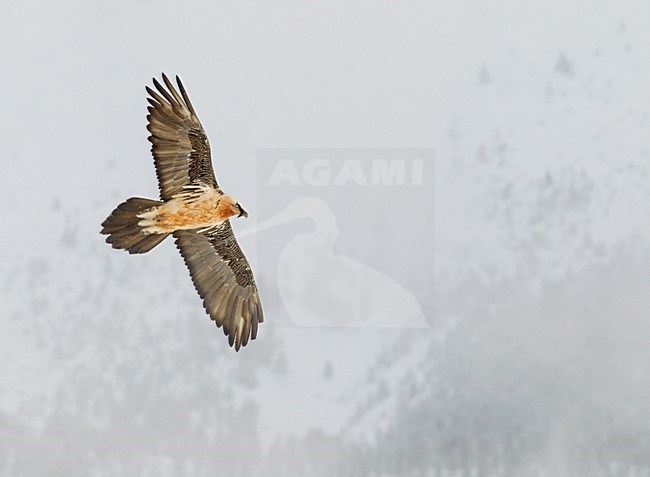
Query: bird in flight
(195, 211)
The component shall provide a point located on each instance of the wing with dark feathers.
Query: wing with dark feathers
(222, 276)
(180, 148)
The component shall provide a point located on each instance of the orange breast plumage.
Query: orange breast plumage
(194, 209)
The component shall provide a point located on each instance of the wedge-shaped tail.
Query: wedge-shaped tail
(123, 230)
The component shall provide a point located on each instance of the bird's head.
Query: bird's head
(229, 207)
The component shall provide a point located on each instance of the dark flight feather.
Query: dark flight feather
(224, 280)
(180, 147)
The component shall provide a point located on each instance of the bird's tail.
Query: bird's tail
(123, 230)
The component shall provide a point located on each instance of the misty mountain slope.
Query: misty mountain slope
(134, 355)
(530, 360)
(531, 385)
(537, 338)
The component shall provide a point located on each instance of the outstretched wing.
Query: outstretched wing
(222, 276)
(180, 148)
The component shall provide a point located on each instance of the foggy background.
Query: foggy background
(533, 276)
